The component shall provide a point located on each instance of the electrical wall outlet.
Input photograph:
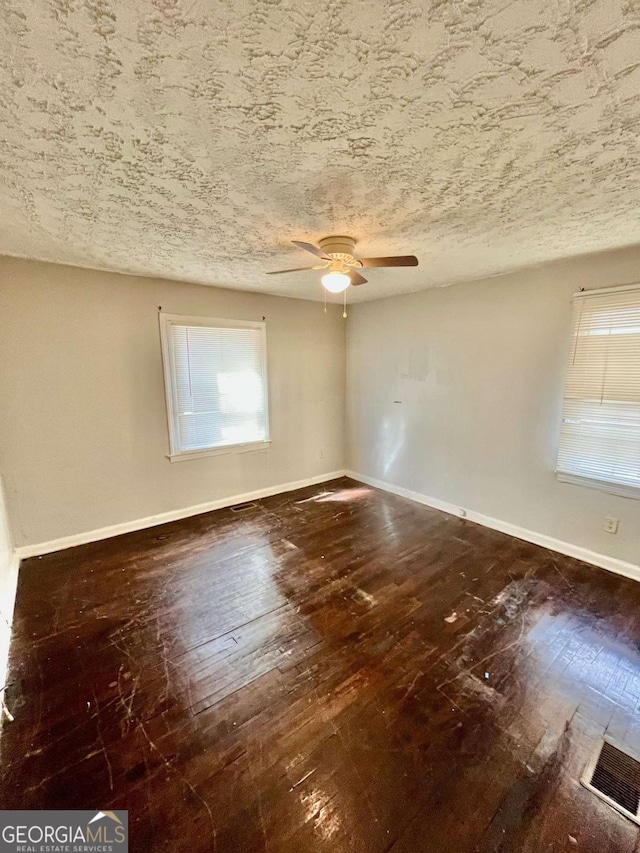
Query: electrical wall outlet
(610, 525)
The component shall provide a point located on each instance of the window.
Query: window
(600, 434)
(216, 385)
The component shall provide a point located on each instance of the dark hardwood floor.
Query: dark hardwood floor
(335, 669)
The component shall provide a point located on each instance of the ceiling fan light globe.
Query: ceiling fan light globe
(336, 282)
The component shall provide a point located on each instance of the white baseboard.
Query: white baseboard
(620, 567)
(7, 603)
(9, 593)
(164, 517)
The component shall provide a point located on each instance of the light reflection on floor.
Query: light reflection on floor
(339, 496)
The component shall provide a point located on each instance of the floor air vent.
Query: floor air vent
(614, 776)
(243, 507)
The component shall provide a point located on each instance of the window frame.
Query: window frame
(609, 486)
(168, 368)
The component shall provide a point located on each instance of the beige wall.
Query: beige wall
(477, 371)
(83, 435)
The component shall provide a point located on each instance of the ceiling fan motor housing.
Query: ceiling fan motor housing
(340, 248)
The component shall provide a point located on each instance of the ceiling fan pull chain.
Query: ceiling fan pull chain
(325, 300)
(344, 310)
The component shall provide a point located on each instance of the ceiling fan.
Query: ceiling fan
(342, 267)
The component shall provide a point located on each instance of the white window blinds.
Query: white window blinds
(216, 383)
(600, 434)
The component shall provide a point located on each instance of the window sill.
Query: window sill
(602, 485)
(227, 449)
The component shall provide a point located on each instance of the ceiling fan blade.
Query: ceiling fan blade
(309, 247)
(397, 261)
(295, 269)
(356, 278)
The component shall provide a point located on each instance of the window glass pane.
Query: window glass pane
(600, 434)
(219, 386)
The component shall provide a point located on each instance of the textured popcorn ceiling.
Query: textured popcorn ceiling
(193, 140)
